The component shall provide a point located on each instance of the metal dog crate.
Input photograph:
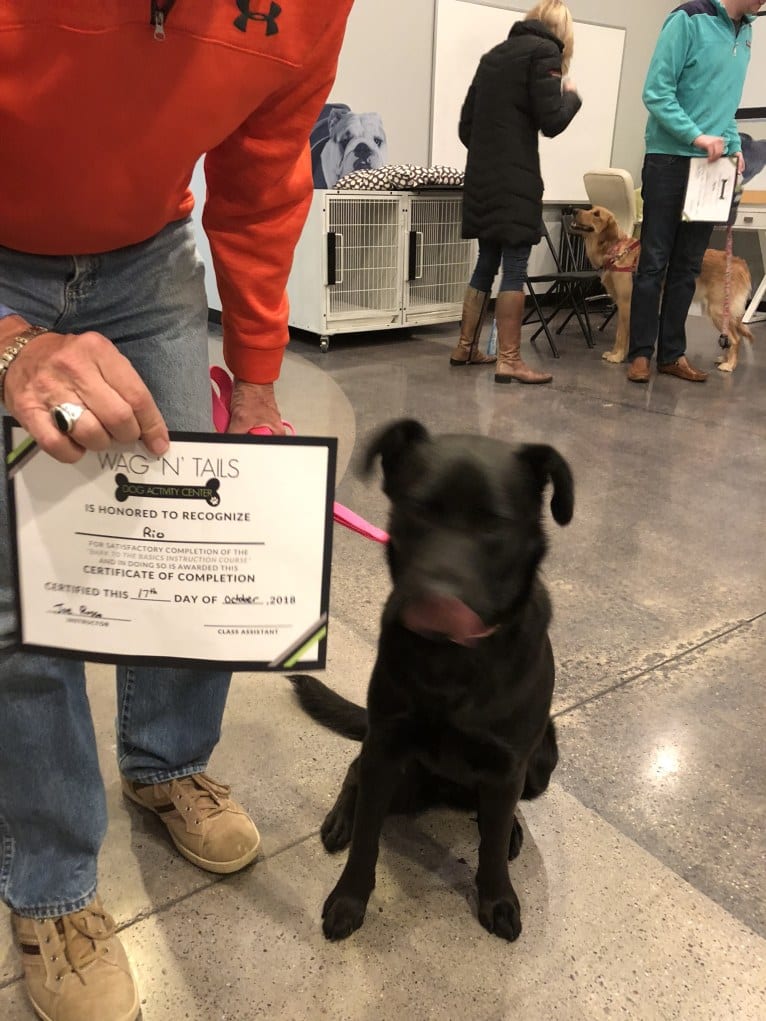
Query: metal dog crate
(440, 260)
(377, 261)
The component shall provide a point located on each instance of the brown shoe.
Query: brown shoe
(681, 368)
(75, 968)
(208, 828)
(640, 370)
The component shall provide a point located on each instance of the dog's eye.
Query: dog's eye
(596, 213)
(378, 141)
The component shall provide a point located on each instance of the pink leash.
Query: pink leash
(221, 414)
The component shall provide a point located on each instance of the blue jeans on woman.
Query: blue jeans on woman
(671, 257)
(149, 299)
(514, 258)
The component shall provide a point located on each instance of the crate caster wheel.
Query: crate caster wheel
(324, 344)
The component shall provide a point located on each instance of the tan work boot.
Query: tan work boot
(207, 827)
(474, 312)
(509, 311)
(75, 967)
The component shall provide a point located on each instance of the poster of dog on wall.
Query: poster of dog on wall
(343, 141)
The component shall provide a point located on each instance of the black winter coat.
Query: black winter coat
(515, 94)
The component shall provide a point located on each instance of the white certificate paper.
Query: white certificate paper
(218, 552)
(710, 189)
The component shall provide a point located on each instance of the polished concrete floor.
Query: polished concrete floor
(643, 872)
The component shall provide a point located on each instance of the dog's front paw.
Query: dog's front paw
(502, 917)
(517, 839)
(726, 366)
(342, 915)
(612, 356)
(336, 830)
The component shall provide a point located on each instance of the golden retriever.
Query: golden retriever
(616, 255)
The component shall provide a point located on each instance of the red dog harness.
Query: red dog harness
(617, 253)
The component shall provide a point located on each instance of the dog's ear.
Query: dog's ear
(547, 463)
(334, 118)
(394, 445)
(611, 227)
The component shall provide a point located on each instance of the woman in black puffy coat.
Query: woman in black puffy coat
(518, 91)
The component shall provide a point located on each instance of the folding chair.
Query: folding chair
(614, 190)
(566, 289)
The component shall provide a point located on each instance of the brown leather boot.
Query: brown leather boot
(474, 312)
(509, 311)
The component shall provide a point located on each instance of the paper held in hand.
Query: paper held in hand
(218, 552)
(710, 189)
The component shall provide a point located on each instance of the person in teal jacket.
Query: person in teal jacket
(692, 91)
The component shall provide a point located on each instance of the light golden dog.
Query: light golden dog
(616, 255)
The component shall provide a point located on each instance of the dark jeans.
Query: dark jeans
(515, 259)
(671, 254)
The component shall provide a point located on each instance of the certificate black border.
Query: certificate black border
(319, 663)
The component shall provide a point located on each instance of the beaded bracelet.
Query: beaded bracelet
(17, 344)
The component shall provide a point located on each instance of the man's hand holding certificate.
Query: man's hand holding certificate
(710, 189)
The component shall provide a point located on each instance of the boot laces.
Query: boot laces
(84, 935)
(209, 797)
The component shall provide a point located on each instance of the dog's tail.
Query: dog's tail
(328, 708)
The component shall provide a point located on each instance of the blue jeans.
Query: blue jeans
(515, 259)
(149, 299)
(671, 256)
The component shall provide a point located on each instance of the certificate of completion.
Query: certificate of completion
(710, 189)
(218, 552)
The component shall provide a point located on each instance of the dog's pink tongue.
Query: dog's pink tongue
(437, 616)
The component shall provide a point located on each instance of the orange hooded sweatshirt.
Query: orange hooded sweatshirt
(106, 106)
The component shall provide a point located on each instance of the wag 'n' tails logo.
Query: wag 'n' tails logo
(246, 15)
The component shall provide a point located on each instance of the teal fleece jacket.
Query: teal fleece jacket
(695, 79)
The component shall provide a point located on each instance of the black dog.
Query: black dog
(458, 707)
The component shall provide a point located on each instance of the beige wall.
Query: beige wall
(387, 61)
(386, 65)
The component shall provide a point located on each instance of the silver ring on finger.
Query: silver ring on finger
(65, 416)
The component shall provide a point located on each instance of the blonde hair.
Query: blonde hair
(557, 19)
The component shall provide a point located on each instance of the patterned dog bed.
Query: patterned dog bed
(402, 177)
